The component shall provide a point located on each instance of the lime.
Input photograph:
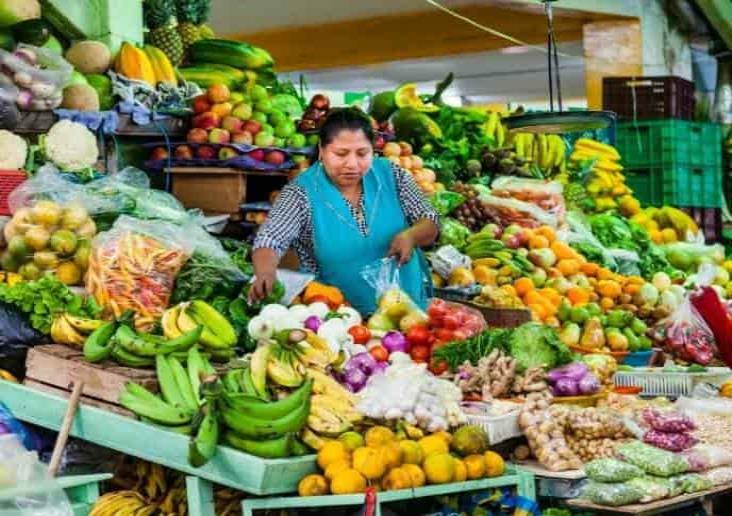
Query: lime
(276, 117)
(264, 105)
(260, 117)
(297, 140)
(284, 129)
(313, 139)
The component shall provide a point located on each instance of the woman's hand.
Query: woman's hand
(402, 246)
(262, 286)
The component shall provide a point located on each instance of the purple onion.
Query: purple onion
(395, 341)
(355, 379)
(364, 362)
(312, 323)
(589, 384)
(379, 368)
(574, 371)
(565, 387)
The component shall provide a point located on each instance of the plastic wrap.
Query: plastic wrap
(671, 441)
(652, 488)
(652, 460)
(21, 468)
(545, 195)
(611, 470)
(134, 266)
(33, 77)
(667, 421)
(705, 456)
(612, 494)
(46, 184)
(685, 335)
(391, 300)
(507, 211)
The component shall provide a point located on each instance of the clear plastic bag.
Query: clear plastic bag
(671, 441)
(21, 468)
(38, 76)
(612, 494)
(719, 476)
(46, 184)
(689, 483)
(611, 470)
(652, 460)
(652, 488)
(134, 265)
(391, 300)
(579, 235)
(446, 259)
(706, 456)
(506, 211)
(547, 196)
(668, 420)
(685, 335)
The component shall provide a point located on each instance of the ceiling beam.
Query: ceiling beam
(411, 35)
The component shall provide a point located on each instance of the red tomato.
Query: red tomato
(420, 353)
(460, 334)
(451, 322)
(360, 334)
(437, 367)
(437, 309)
(418, 336)
(443, 335)
(379, 353)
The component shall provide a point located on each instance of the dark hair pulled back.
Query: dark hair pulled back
(348, 118)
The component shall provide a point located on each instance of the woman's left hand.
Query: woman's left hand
(402, 246)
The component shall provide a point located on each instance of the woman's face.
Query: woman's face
(347, 157)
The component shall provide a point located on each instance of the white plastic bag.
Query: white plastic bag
(36, 76)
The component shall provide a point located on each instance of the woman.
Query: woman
(346, 212)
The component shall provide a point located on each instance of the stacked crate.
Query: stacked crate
(668, 158)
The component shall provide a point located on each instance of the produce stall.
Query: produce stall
(579, 335)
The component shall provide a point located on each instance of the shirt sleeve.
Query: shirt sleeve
(285, 222)
(414, 203)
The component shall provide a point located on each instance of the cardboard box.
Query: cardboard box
(213, 190)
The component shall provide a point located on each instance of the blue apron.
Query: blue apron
(342, 251)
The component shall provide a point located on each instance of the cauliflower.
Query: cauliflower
(13, 151)
(70, 146)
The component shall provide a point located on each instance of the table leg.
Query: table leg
(526, 485)
(200, 497)
(87, 493)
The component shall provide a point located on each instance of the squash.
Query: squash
(134, 64)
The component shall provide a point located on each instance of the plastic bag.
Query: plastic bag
(706, 456)
(685, 335)
(689, 483)
(46, 184)
(611, 470)
(453, 233)
(652, 460)
(612, 494)
(545, 195)
(667, 421)
(579, 235)
(671, 441)
(719, 476)
(391, 301)
(134, 266)
(652, 488)
(16, 336)
(21, 468)
(38, 76)
(446, 259)
(445, 202)
(506, 211)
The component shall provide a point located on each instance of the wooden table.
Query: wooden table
(657, 507)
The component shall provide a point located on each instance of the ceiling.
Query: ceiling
(487, 77)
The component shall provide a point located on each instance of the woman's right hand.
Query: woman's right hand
(262, 286)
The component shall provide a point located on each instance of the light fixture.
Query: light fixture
(557, 122)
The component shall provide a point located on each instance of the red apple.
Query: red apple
(219, 136)
(183, 152)
(232, 124)
(257, 154)
(275, 157)
(218, 93)
(197, 135)
(201, 104)
(207, 121)
(227, 153)
(206, 152)
(159, 153)
(244, 137)
(379, 142)
(252, 127)
(320, 101)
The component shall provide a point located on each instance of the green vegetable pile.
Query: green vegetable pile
(530, 344)
(44, 298)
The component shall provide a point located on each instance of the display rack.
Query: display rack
(228, 467)
(513, 477)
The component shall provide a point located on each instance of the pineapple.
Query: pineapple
(191, 14)
(206, 32)
(162, 33)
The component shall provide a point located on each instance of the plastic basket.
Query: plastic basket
(497, 428)
(682, 185)
(9, 181)
(648, 98)
(669, 143)
(655, 382)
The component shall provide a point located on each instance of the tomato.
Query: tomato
(437, 367)
(360, 334)
(418, 336)
(443, 335)
(451, 322)
(420, 353)
(437, 309)
(379, 353)
(460, 334)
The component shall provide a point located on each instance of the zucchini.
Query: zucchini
(232, 53)
(32, 32)
(205, 77)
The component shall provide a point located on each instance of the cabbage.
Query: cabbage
(534, 344)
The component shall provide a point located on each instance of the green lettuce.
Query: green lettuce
(534, 344)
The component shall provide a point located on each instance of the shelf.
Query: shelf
(38, 122)
(225, 170)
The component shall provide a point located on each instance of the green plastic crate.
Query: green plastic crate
(682, 185)
(669, 143)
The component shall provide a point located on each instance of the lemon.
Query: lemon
(494, 464)
(411, 452)
(433, 444)
(378, 436)
(334, 468)
(332, 451)
(439, 468)
(461, 471)
(369, 462)
(397, 478)
(475, 465)
(415, 473)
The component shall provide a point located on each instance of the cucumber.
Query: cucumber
(205, 77)
(32, 32)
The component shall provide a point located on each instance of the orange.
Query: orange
(334, 468)
(609, 288)
(604, 274)
(568, 266)
(606, 303)
(369, 463)
(631, 288)
(433, 444)
(312, 485)
(378, 435)
(547, 232)
(589, 268)
(538, 242)
(348, 481)
(552, 295)
(439, 468)
(461, 471)
(538, 310)
(523, 286)
(494, 465)
(475, 465)
(577, 295)
(562, 251)
(415, 473)
(397, 478)
(533, 298)
(332, 451)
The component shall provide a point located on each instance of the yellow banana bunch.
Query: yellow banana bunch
(595, 148)
(493, 128)
(122, 502)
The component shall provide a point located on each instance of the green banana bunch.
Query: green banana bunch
(144, 403)
(275, 448)
(99, 344)
(146, 345)
(205, 436)
(483, 247)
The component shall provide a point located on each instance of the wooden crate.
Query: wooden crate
(54, 369)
